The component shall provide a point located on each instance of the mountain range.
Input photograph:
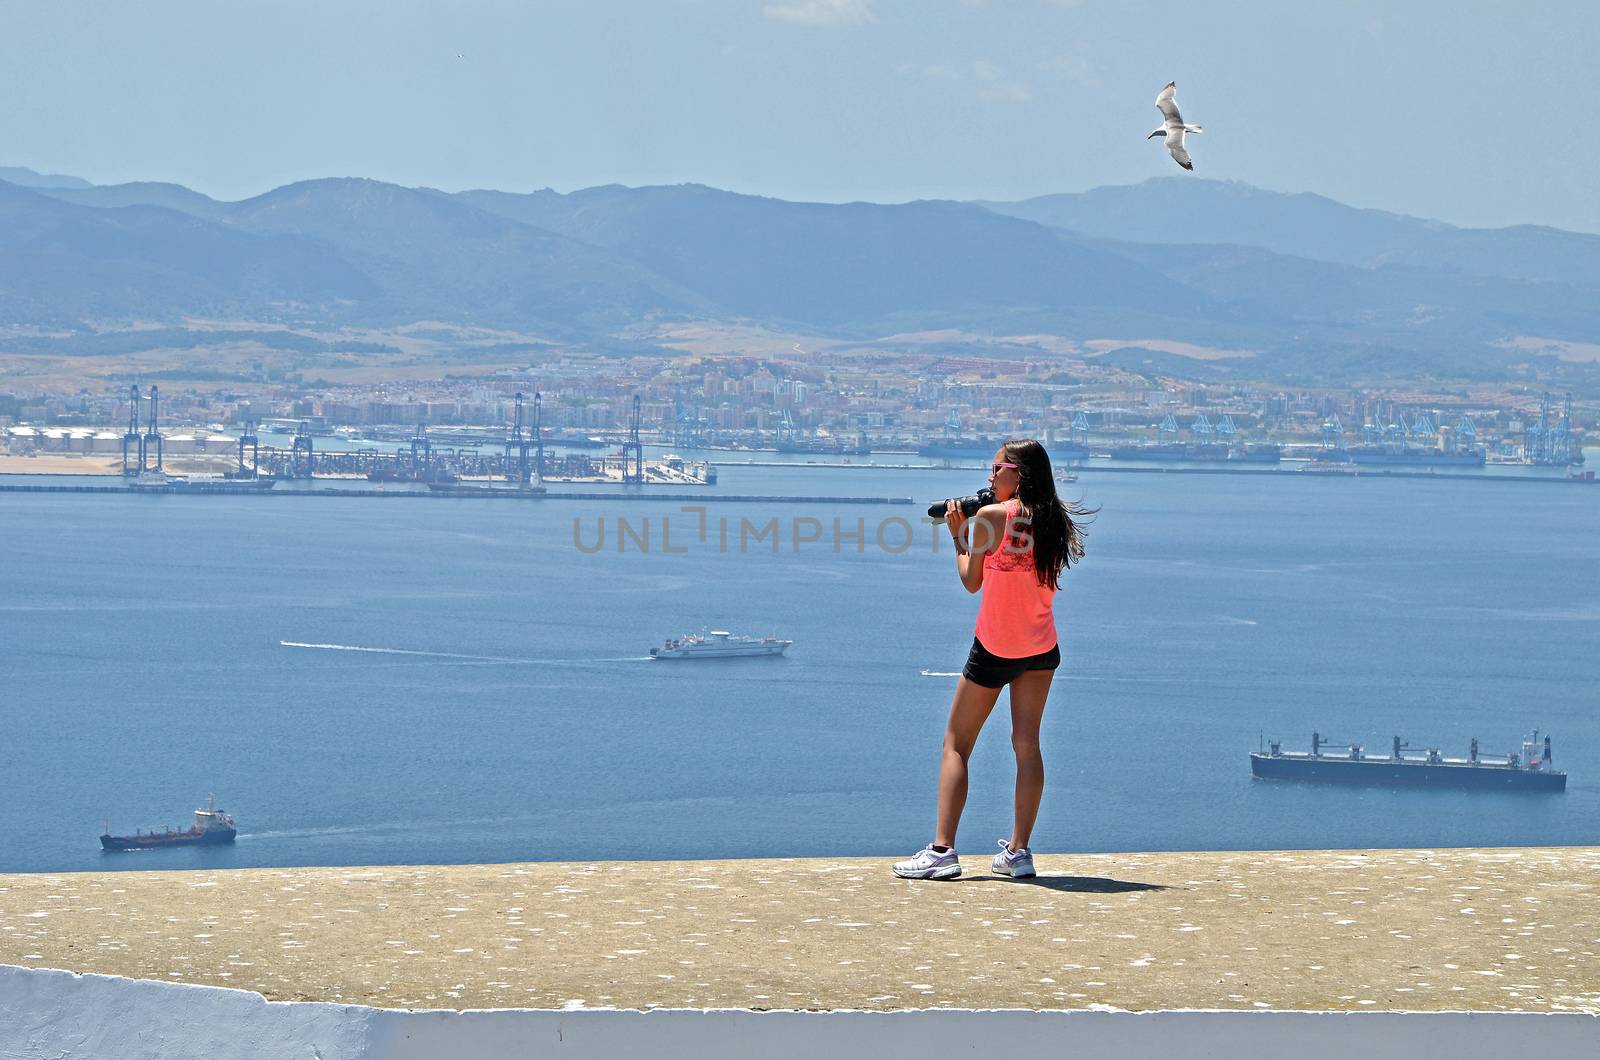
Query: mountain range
(1315, 290)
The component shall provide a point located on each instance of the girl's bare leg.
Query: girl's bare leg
(968, 712)
(1028, 695)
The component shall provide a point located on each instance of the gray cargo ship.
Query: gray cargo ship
(210, 826)
(1167, 451)
(1331, 763)
(982, 450)
(1416, 455)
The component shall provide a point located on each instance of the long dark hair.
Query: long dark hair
(1057, 526)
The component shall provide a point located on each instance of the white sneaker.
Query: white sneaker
(929, 864)
(1014, 863)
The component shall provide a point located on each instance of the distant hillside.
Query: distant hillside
(1444, 318)
(437, 257)
(1173, 210)
(145, 193)
(62, 264)
(861, 267)
(1318, 291)
(27, 178)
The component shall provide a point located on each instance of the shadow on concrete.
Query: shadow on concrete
(1082, 884)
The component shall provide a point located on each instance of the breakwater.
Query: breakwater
(459, 494)
(1300, 473)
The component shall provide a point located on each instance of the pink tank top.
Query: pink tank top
(1015, 614)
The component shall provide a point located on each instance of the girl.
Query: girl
(1020, 545)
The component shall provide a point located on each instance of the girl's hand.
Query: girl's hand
(955, 519)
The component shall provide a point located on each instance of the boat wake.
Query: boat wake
(304, 833)
(940, 673)
(400, 651)
(460, 656)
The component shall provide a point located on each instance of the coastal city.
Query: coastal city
(835, 407)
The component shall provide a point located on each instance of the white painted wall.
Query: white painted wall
(51, 1015)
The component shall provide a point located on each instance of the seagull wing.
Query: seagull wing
(1167, 103)
(1176, 149)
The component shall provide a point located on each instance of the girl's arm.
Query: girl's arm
(989, 527)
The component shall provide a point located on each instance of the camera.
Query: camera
(969, 505)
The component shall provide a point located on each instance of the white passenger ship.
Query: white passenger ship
(718, 644)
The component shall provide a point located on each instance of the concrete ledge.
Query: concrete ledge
(51, 1015)
(1398, 930)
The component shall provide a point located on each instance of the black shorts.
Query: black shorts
(991, 671)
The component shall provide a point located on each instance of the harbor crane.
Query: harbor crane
(1080, 429)
(421, 448)
(1333, 433)
(1169, 427)
(1201, 430)
(688, 426)
(633, 450)
(152, 438)
(1534, 442)
(538, 437)
(1549, 442)
(302, 453)
(1559, 439)
(132, 440)
(702, 429)
(249, 440)
(518, 442)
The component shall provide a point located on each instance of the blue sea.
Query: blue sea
(454, 681)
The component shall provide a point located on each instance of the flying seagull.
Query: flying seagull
(1173, 126)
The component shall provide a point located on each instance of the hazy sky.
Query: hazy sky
(1477, 113)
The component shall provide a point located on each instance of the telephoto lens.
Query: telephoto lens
(969, 505)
